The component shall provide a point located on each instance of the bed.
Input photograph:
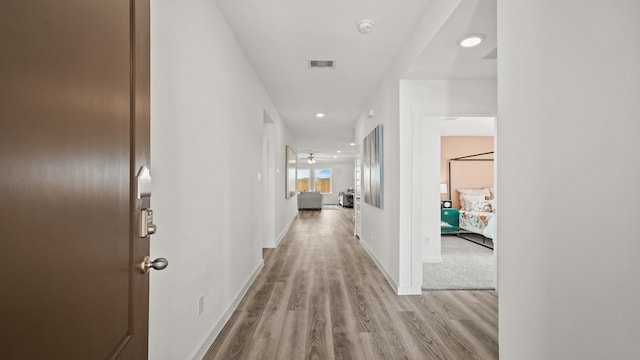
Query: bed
(477, 206)
(477, 213)
(479, 222)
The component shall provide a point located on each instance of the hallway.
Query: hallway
(320, 296)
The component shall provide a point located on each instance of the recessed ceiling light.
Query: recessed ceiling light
(319, 115)
(471, 40)
(352, 144)
(335, 157)
(339, 151)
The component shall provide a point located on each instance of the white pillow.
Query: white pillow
(482, 205)
(483, 191)
(466, 201)
(464, 192)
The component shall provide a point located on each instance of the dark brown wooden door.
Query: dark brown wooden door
(74, 126)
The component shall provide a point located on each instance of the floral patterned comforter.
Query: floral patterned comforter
(474, 221)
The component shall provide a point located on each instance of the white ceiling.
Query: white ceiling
(443, 59)
(280, 36)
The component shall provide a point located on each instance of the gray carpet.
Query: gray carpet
(464, 266)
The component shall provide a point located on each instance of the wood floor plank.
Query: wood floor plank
(318, 344)
(299, 293)
(387, 329)
(465, 305)
(320, 296)
(455, 344)
(486, 345)
(291, 345)
(224, 334)
(368, 345)
(447, 305)
(236, 344)
(343, 326)
(264, 343)
(360, 307)
(425, 341)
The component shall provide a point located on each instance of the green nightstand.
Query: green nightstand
(450, 221)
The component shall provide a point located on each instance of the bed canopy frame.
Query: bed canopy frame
(473, 157)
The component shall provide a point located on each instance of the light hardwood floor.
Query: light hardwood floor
(320, 296)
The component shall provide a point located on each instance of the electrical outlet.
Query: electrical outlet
(200, 304)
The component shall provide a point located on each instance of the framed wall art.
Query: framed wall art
(290, 173)
(372, 168)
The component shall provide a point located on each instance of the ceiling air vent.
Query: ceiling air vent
(322, 64)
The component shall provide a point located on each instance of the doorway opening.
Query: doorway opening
(466, 258)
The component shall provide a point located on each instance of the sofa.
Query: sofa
(309, 200)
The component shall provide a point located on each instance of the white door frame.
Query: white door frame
(425, 188)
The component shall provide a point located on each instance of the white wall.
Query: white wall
(386, 233)
(569, 84)
(341, 177)
(285, 209)
(379, 227)
(206, 152)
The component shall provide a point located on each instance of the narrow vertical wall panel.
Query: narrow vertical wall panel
(569, 84)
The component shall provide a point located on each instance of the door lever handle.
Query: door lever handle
(157, 264)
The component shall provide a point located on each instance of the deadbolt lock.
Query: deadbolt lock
(147, 227)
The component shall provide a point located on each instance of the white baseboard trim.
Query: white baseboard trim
(286, 229)
(409, 290)
(382, 269)
(227, 315)
(432, 259)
